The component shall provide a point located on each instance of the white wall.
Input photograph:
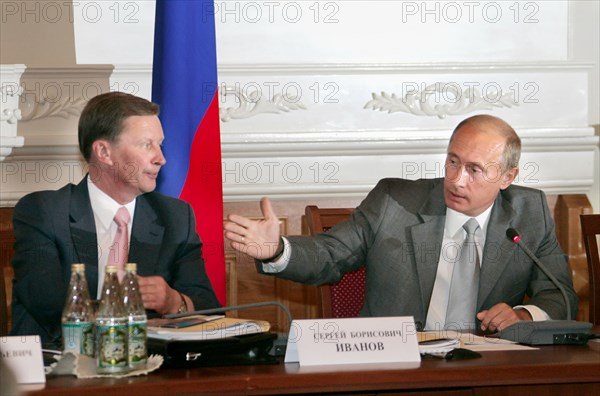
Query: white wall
(338, 63)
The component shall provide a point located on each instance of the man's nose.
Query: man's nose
(459, 176)
(160, 158)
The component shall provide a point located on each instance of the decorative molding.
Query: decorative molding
(251, 145)
(82, 74)
(272, 69)
(43, 108)
(334, 169)
(457, 101)
(10, 115)
(49, 146)
(10, 92)
(255, 193)
(144, 71)
(253, 104)
(354, 160)
(133, 79)
(61, 92)
(376, 143)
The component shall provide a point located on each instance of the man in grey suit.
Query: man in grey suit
(120, 137)
(409, 235)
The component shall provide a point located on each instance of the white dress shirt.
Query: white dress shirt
(454, 235)
(105, 208)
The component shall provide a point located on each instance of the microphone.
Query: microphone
(279, 345)
(546, 332)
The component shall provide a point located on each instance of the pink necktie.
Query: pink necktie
(119, 249)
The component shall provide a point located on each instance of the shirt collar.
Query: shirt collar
(104, 207)
(455, 220)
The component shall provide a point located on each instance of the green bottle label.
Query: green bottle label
(112, 346)
(78, 338)
(138, 353)
(88, 340)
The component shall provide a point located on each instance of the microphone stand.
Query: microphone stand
(545, 332)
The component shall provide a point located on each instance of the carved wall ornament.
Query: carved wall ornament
(441, 100)
(9, 89)
(254, 103)
(36, 108)
(11, 115)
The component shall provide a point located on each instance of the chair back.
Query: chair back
(590, 227)
(7, 240)
(345, 298)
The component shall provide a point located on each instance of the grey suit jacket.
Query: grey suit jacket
(54, 229)
(397, 232)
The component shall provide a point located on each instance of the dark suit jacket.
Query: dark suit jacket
(397, 233)
(54, 229)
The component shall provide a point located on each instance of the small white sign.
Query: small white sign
(353, 340)
(23, 355)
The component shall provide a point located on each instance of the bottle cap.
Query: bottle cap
(131, 267)
(77, 267)
(111, 269)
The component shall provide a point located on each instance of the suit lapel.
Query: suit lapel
(83, 234)
(495, 256)
(146, 238)
(427, 239)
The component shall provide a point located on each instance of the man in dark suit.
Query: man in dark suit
(120, 137)
(407, 234)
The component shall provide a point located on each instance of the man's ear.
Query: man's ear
(101, 151)
(508, 177)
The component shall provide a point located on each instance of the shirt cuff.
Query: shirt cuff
(537, 314)
(274, 267)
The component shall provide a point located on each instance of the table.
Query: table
(550, 370)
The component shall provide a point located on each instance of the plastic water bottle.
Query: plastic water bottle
(77, 322)
(111, 327)
(137, 319)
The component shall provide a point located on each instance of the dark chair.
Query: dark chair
(590, 226)
(345, 298)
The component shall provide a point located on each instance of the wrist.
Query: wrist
(183, 307)
(278, 252)
(523, 314)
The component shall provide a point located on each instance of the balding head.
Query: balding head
(485, 123)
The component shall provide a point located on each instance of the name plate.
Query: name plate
(23, 356)
(353, 340)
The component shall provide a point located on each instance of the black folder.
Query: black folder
(237, 350)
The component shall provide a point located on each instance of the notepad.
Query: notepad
(179, 323)
(211, 330)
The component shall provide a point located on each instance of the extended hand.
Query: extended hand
(257, 238)
(500, 316)
(158, 295)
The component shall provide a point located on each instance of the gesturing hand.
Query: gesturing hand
(258, 238)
